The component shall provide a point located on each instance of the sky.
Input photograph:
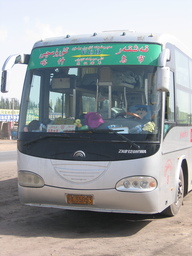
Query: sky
(23, 22)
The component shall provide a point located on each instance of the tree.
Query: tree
(6, 103)
(58, 106)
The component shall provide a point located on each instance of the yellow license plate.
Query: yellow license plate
(79, 199)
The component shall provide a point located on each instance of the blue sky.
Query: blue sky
(22, 22)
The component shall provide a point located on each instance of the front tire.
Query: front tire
(174, 208)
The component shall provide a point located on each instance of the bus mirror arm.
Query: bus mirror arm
(164, 57)
(9, 63)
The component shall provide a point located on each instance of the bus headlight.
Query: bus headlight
(137, 184)
(30, 179)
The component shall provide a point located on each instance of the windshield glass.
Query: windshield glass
(122, 99)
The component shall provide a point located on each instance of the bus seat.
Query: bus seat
(134, 109)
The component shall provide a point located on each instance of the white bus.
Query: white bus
(105, 123)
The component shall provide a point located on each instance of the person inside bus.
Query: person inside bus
(34, 126)
(143, 114)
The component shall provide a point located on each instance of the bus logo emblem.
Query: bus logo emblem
(79, 154)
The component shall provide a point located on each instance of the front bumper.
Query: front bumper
(109, 200)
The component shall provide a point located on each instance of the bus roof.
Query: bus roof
(113, 37)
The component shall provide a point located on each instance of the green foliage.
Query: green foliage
(58, 105)
(8, 103)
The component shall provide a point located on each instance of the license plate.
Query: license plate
(80, 199)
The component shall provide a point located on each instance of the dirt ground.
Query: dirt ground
(33, 231)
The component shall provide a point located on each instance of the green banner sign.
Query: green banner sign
(95, 54)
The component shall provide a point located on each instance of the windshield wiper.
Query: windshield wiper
(110, 131)
(60, 136)
(131, 143)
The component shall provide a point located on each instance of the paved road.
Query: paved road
(6, 156)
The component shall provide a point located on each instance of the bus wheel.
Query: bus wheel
(173, 209)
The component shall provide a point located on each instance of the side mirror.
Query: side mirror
(9, 63)
(5, 78)
(163, 79)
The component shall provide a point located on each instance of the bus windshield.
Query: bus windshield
(121, 99)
